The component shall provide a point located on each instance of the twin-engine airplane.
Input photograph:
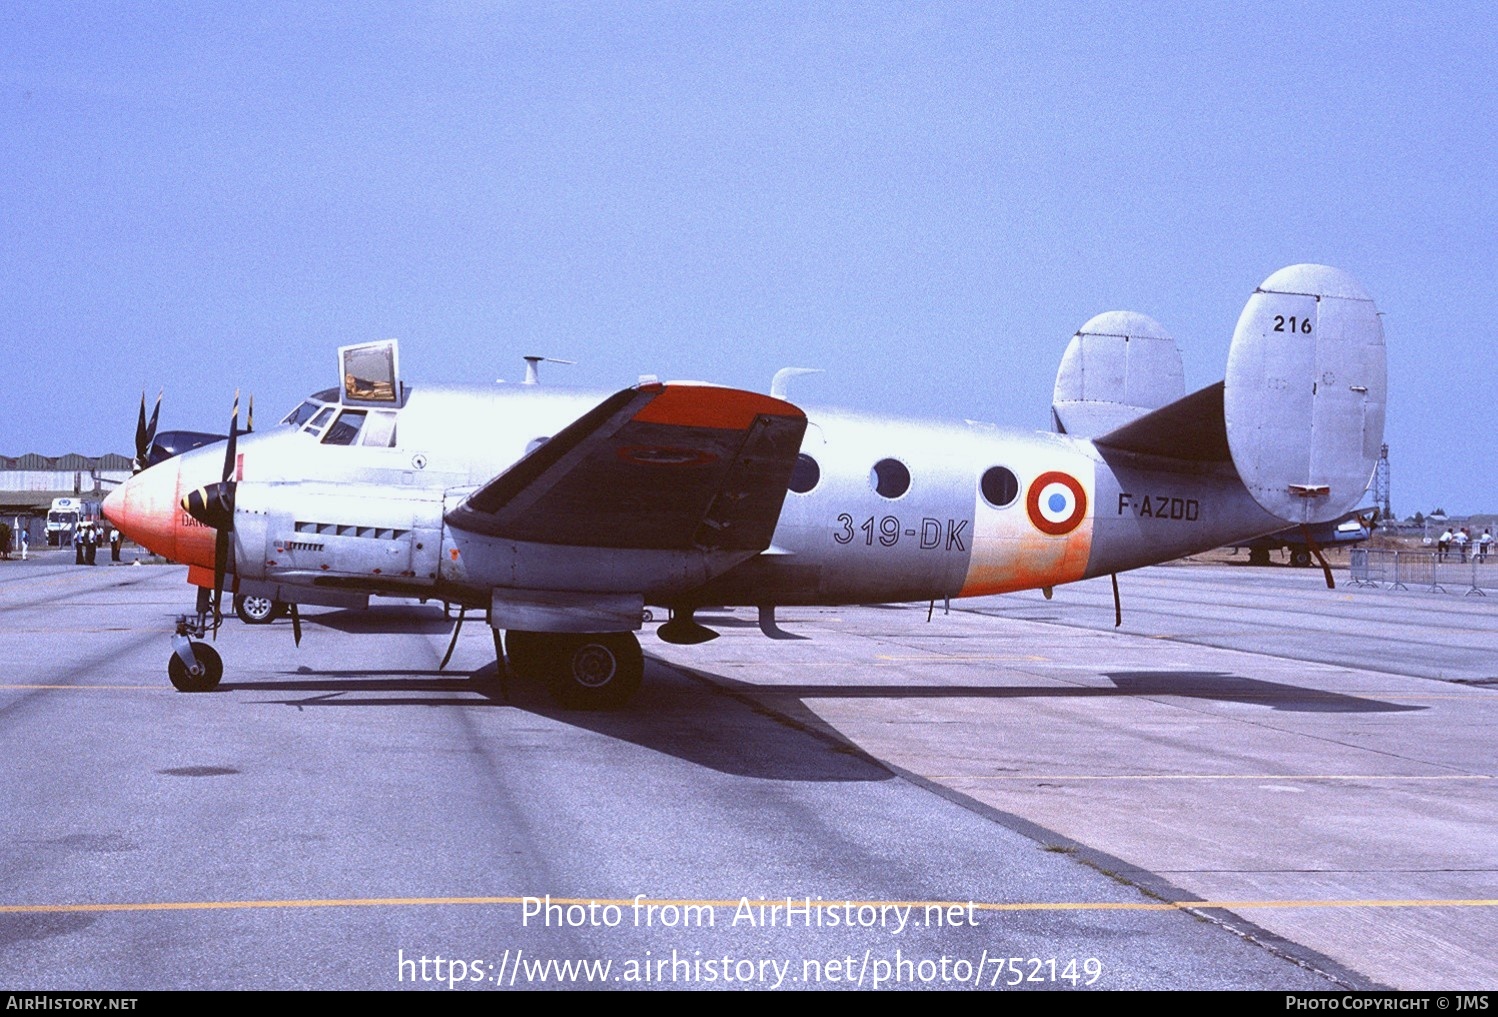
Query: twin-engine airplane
(564, 513)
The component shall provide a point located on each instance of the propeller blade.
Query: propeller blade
(220, 566)
(233, 445)
(296, 625)
(145, 433)
(155, 413)
(218, 501)
(249, 419)
(141, 444)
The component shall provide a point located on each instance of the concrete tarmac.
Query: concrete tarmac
(1255, 783)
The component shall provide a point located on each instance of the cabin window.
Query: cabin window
(345, 429)
(890, 478)
(999, 486)
(805, 474)
(379, 430)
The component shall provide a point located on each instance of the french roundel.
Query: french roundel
(1056, 503)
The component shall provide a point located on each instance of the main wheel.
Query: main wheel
(205, 675)
(595, 672)
(1300, 558)
(529, 653)
(1258, 556)
(257, 610)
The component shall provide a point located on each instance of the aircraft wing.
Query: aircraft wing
(658, 466)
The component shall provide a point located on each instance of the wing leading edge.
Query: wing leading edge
(658, 466)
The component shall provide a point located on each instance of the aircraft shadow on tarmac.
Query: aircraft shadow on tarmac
(723, 724)
(17, 929)
(677, 713)
(1219, 686)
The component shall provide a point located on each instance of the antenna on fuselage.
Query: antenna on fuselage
(532, 368)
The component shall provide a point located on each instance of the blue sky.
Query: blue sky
(925, 200)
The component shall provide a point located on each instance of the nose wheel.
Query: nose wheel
(195, 667)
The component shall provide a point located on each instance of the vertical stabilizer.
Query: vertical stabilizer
(1304, 396)
(1118, 367)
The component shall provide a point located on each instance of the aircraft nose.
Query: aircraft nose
(144, 508)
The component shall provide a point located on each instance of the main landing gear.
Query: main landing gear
(194, 666)
(593, 671)
(254, 609)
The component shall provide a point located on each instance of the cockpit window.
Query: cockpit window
(345, 429)
(320, 421)
(300, 415)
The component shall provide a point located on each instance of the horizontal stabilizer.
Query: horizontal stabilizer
(1118, 367)
(657, 467)
(1190, 428)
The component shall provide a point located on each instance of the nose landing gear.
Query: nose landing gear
(194, 666)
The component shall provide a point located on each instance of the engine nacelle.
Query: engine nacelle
(346, 535)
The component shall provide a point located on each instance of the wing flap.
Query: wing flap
(670, 467)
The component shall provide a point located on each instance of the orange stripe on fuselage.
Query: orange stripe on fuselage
(1010, 552)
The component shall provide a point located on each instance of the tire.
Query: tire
(1258, 556)
(594, 672)
(184, 680)
(256, 610)
(527, 652)
(1300, 558)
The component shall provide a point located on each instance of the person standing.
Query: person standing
(78, 544)
(25, 542)
(114, 545)
(1460, 540)
(90, 543)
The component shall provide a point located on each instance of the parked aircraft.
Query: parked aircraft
(1347, 530)
(562, 514)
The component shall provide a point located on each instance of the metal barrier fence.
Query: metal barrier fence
(1471, 575)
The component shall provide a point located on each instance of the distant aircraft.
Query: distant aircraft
(562, 514)
(1347, 530)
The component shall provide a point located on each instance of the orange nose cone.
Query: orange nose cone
(114, 506)
(144, 508)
